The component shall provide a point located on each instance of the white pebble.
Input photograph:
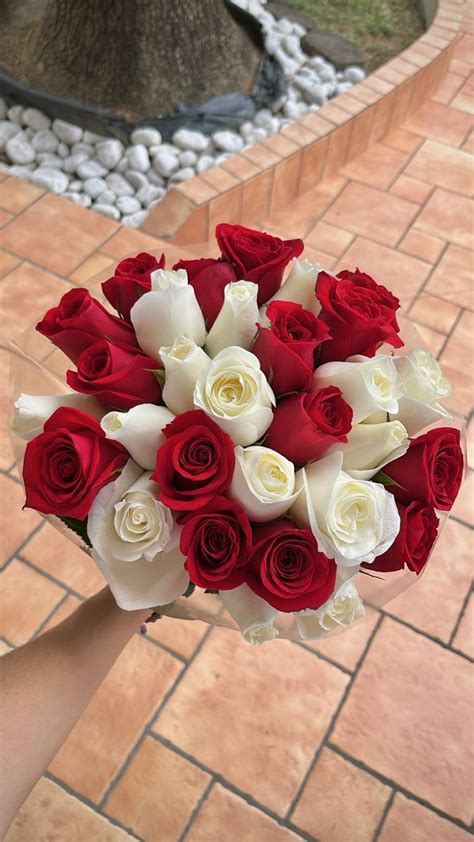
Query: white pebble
(108, 197)
(204, 163)
(187, 158)
(155, 179)
(67, 132)
(92, 137)
(128, 204)
(71, 163)
(135, 219)
(91, 169)
(122, 165)
(119, 184)
(146, 136)
(45, 141)
(51, 179)
(76, 186)
(107, 210)
(47, 159)
(189, 139)
(343, 87)
(36, 119)
(20, 172)
(137, 157)
(149, 193)
(228, 141)
(63, 150)
(264, 119)
(81, 199)
(354, 74)
(136, 179)
(20, 151)
(94, 186)
(15, 114)
(165, 163)
(7, 131)
(86, 148)
(109, 153)
(182, 175)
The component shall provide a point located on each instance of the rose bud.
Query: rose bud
(118, 378)
(195, 463)
(183, 361)
(287, 349)
(287, 568)
(306, 424)
(253, 615)
(66, 466)
(368, 385)
(300, 285)
(79, 320)
(431, 471)
(343, 608)
(132, 279)
(31, 411)
(360, 313)
(236, 323)
(139, 430)
(217, 541)
(257, 256)
(412, 546)
(209, 278)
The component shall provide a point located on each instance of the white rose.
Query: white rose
(31, 411)
(300, 285)
(183, 362)
(139, 430)
(253, 615)
(343, 608)
(263, 483)
(424, 386)
(169, 310)
(366, 384)
(135, 542)
(237, 321)
(352, 520)
(235, 393)
(371, 446)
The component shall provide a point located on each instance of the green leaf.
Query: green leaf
(159, 374)
(77, 526)
(189, 590)
(384, 479)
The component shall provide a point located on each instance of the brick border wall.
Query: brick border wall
(264, 178)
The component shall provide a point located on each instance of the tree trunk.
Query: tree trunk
(137, 58)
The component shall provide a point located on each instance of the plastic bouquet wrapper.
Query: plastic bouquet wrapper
(243, 439)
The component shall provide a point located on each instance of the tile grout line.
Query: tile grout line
(461, 614)
(151, 721)
(384, 816)
(91, 804)
(436, 640)
(451, 332)
(196, 810)
(325, 739)
(397, 787)
(220, 779)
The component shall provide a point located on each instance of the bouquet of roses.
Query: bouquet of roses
(244, 433)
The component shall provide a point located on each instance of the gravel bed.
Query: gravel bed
(126, 182)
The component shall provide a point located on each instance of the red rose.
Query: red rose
(430, 471)
(66, 466)
(116, 376)
(79, 320)
(306, 424)
(132, 279)
(286, 350)
(287, 569)
(257, 256)
(195, 463)
(361, 315)
(412, 546)
(208, 277)
(217, 541)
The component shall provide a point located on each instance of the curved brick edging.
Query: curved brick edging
(264, 178)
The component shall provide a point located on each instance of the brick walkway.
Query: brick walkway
(194, 735)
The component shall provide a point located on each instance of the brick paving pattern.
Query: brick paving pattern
(194, 735)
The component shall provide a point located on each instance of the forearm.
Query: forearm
(46, 685)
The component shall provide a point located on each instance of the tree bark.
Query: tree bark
(137, 58)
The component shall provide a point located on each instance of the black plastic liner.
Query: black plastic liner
(227, 111)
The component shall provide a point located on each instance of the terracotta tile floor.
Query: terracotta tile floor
(361, 739)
